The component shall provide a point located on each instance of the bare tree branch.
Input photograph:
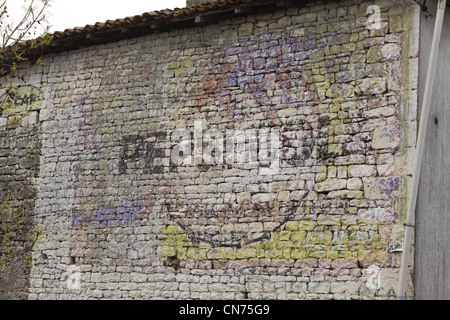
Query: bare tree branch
(19, 42)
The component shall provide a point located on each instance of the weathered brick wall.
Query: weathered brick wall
(264, 156)
(20, 146)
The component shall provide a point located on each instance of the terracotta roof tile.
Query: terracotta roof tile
(153, 16)
(113, 30)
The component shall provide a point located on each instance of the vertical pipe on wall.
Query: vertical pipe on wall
(419, 150)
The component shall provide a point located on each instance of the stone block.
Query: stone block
(383, 188)
(331, 185)
(358, 171)
(386, 137)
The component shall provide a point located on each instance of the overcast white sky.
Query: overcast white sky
(66, 14)
(78, 13)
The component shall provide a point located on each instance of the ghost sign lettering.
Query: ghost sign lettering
(23, 99)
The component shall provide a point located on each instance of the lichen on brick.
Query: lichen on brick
(272, 144)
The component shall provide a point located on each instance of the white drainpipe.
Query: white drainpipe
(419, 150)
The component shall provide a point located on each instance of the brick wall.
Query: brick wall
(264, 156)
(20, 146)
